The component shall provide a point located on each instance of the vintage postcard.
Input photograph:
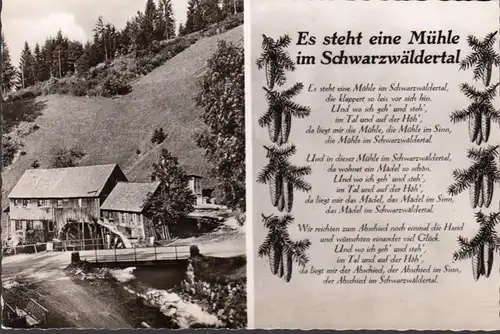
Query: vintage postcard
(375, 164)
(123, 164)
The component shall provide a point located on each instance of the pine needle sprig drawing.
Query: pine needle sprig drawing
(479, 178)
(278, 117)
(282, 177)
(481, 247)
(279, 247)
(281, 108)
(479, 114)
(275, 60)
(483, 57)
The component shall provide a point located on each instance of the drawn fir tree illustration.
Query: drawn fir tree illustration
(282, 177)
(483, 173)
(280, 249)
(482, 247)
(481, 112)
(275, 61)
(479, 178)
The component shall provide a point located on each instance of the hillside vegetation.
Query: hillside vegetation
(119, 130)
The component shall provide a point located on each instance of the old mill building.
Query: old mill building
(45, 201)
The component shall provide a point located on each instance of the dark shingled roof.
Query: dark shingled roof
(129, 196)
(72, 182)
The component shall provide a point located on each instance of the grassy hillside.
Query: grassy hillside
(112, 130)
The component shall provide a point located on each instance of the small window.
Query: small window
(50, 226)
(29, 225)
(59, 203)
(37, 225)
(47, 202)
(16, 202)
(26, 202)
(40, 202)
(19, 225)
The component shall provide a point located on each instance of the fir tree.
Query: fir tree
(169, 19)
(8, 70)
(39, 62)
(26, 76)
(147, 28)
(60, 54)
(232, 7)
(194, 19)
(174, 199)
(223, 98)
(48, 69)
(75, 52)
(99, 39)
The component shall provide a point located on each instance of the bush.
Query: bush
(158, 137)
(63, 157)
(115, 84)
(9, 150)
(35, 164)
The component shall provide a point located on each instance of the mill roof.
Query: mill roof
(71, 182)
(129, 196)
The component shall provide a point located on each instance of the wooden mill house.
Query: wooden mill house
(44, 201)
(125, 209)
(70, 203)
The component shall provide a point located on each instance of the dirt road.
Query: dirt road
(96, 304)
(41, 276)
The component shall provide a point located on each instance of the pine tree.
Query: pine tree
(169, 19)
(223, 98)
(60, 56)
(211, 12)
(38, 57)
(182, 29)
(147, 28)
(232, 7)
(174, 199)
(48, 69)
(75, 52)
(8, 70)
(99, 39)
(26, 76)
(194, 20)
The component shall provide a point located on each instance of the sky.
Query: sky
(34, 20)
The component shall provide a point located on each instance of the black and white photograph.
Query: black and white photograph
(123, 164)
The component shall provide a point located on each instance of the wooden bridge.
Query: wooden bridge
(136, 256)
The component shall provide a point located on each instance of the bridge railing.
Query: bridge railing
(137, 254)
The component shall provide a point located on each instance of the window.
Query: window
(59, 203)
(16, 202)
(50, 226)
(47, 202)
(40, 202)
(80, 202)
(29, 225)
(37, 225)
(19, 225)
(26, 202)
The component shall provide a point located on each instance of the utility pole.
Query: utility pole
(234, 5)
